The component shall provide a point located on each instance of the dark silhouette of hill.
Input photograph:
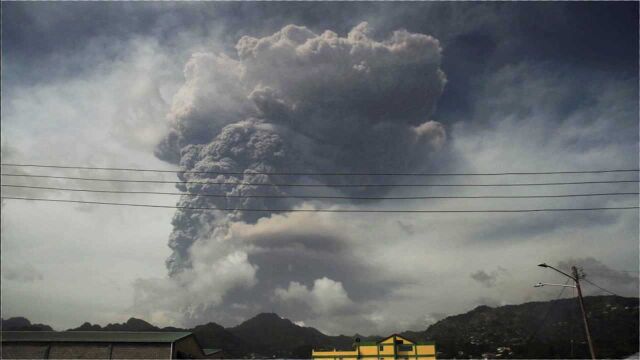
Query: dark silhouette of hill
(210, 336)
(541, 330)
(265, 335)
(269, 334)
(22, 324)
(530, 330)
(214, 336)
(132, 324)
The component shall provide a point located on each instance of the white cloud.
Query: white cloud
(325, 297)
(88, 256)
(191, 291)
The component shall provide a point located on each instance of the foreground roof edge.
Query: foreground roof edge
(94, 336)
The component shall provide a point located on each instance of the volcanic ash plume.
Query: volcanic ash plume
(295, 101)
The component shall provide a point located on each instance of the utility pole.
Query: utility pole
(576, 278)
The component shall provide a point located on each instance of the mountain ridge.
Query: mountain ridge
(538, 329)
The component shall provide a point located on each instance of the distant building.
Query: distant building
(102, 345)
(389, 348)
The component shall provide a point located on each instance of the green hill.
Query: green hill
(540, 330)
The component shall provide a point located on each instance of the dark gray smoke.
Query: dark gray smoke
(293, 101)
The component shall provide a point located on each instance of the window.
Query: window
(405, 348)
(381, 347)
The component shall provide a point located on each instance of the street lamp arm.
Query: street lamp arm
(560, 271)
(541, 284)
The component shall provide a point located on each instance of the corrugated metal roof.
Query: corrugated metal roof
(93, 336)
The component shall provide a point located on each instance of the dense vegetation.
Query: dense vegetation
(541, 330)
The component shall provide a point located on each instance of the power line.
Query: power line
(600, 287)
(320, 185)
(546, 315)
(608, 271)
(321, 210)
(319, 196)
(324, 173)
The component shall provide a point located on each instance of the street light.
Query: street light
(576, 279)
(541, 284)
(560, 271)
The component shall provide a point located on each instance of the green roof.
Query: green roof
(93, 336)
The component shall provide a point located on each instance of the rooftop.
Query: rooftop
(92, 336)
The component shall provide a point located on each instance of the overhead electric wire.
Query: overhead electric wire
(320, 185)
(319, 196)
(600, 287)
(324, 173)
(601, 271)
(324, 210)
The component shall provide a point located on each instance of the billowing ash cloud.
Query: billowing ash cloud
(293, 101)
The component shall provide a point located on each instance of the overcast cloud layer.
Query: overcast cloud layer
(418, 87)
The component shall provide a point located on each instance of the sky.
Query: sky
(230, 91)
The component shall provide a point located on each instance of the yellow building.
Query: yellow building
(389, 348)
